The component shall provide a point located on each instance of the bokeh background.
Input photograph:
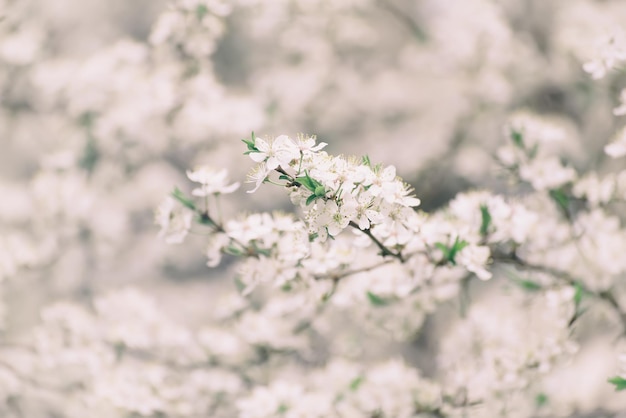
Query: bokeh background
(105, 104)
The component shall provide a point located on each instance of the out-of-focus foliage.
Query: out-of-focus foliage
(105, 105)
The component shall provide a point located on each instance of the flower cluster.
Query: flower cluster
(478, 287)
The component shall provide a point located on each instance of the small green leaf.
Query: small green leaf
(232, 250)
(486, 220)
(524, 283)
(578, 295)
(91, 155)
(366, 160)
(320, 191)
(205, 219)
(201, 11)
(180, 196)
(619, 382)
(449, 253)
(313, 236)
(282, 408)
(250, 143)
(518, 138)
(239, 284)
(311, 199)
(356, 382)
(307, 182)
(541, 399)
(561, 199)
(529, 285)
(263, 251)
(444, 249)
(456, 247)
(376, 300)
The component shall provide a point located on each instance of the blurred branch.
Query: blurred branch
(604, 295)
(403, 18)
(383, 250)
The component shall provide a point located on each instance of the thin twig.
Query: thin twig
(566, 277)
(401, 16)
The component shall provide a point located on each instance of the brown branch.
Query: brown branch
(605, 295)
(384, 250)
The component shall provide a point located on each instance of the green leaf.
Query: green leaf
(320, 191)
(524, 283)
(486, 220)
(456, 247)
(443, 249)
(529, 285)
(204, 219)
(518, 138)
(313, 236)
(232, 250)
(311, 199)
(180, 196)
(263, 251)
(90, 156)
(561, 199)
(201, 11)
(541, 399)
(309, 182)
(250, 144)
(578, 295)
(366, 160)
(449, 253)
(239, 284)
(619, 382)
(376, 300)
(356, 382)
